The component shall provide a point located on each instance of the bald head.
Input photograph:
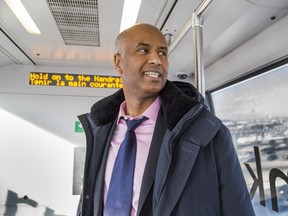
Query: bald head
(136, 29)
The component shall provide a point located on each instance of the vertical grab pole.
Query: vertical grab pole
(197, 27)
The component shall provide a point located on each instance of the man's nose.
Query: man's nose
(154, 59)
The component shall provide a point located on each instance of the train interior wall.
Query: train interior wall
(38, 140)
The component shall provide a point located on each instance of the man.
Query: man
(185, 162)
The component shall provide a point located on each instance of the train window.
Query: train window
(255, 111)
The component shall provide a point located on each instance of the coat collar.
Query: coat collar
(174, 104)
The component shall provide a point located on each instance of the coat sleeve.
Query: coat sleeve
(234, 196)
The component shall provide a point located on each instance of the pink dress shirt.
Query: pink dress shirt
(144, 133)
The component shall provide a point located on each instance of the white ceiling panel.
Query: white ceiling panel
(227, 25)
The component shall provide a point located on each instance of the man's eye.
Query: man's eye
(162, 53)
(143, 50)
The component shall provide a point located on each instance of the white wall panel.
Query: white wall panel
(268, 46)
(38, 138)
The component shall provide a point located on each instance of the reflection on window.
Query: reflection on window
(256, 112)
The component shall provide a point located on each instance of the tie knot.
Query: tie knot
(134, 123)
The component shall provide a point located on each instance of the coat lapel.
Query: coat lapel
(150, 168)
(172, 178)
(100, 150)
(177, 157)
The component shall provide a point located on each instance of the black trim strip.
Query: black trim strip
(168, 15)
(17, 46)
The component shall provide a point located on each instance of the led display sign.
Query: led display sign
(74, 80)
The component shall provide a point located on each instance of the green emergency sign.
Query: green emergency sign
(78, 127)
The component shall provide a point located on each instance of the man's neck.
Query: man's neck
(135, 107)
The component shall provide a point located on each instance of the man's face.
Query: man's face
(142, 61)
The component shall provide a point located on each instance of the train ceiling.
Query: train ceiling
(82, 33)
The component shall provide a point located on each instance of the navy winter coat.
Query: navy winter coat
(192, 167)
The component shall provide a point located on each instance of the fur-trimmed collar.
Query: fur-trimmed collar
(174, 105)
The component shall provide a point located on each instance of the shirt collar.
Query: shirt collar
(151, 112)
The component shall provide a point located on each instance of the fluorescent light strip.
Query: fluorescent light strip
(130, 13)
(23, 16)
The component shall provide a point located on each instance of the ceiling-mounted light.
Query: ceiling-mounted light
(23, 16)
(130, 13)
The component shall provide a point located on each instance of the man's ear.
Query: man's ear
(117, 61)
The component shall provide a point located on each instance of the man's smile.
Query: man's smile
(153, 74)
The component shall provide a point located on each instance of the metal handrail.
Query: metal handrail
(197, 26)
(196, 23)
